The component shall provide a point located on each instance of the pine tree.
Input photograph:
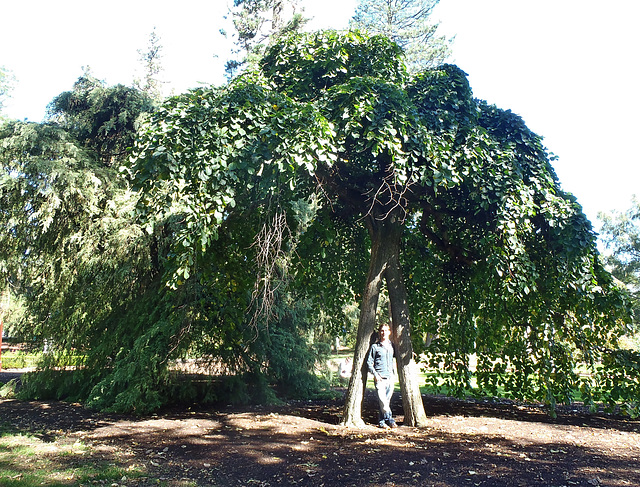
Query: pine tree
(406, 22)
(151, 61)
(257, 23)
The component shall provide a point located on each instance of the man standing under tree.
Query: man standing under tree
(380, 362)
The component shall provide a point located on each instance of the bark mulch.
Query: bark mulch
(465, 443)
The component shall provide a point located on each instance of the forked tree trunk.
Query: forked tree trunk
(384, 263)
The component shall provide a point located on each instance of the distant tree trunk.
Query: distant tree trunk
(384, 263)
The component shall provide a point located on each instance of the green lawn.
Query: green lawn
(19, 360)
(27, 460)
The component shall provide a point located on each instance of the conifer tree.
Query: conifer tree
(151, 61)
(408, 23)
(256, 24)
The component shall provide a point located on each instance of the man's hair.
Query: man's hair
(382, 325)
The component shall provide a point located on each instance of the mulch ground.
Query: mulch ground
(466, 443)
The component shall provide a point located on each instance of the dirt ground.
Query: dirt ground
(465, 443)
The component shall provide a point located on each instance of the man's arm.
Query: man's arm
(371, 361)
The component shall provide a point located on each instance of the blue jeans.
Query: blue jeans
(384, 388)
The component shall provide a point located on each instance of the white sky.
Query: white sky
(570, 68)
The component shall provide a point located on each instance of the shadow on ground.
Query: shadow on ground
(466, 443)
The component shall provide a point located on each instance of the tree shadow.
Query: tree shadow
(301, 443)
(570, 415)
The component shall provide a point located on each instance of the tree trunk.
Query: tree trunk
(384, 263)
(1, 331)
(414, 414)
(352, 415)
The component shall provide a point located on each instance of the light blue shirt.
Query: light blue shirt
(380, 359)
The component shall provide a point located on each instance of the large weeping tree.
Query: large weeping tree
(457, 197)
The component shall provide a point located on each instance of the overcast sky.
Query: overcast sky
(570, 68)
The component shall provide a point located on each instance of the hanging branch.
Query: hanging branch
(270, 261)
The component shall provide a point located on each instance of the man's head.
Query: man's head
(384, 331)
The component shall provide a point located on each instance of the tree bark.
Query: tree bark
(414, 414)
(352, 414)
(384, 264)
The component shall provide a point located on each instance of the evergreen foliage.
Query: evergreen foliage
(407, 23)
(92, 276)
(102, 119)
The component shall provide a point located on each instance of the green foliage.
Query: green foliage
(307, 66)
(238, 237)
(517, 280)
(7, 81)
(615, 382)
(103, 119)
(500, 261)
(18, 359)
(64, 217)
(621, 236)
(72, 250)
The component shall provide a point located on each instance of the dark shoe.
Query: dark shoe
(392, 424)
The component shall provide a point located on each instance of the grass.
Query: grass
(19, 360)
(27, 459)
(427, 379)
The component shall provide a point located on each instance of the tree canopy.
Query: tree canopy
(458, 197)
(92, 275)
(103, 119)
(621, 235)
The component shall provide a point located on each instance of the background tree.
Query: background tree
(103, 119)
(256, 23)
(621, 235)
(71, 249)
(6, 85)
(406, 22)
(151, 60)
(92, 275)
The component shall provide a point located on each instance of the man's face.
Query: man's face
(385, 333)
